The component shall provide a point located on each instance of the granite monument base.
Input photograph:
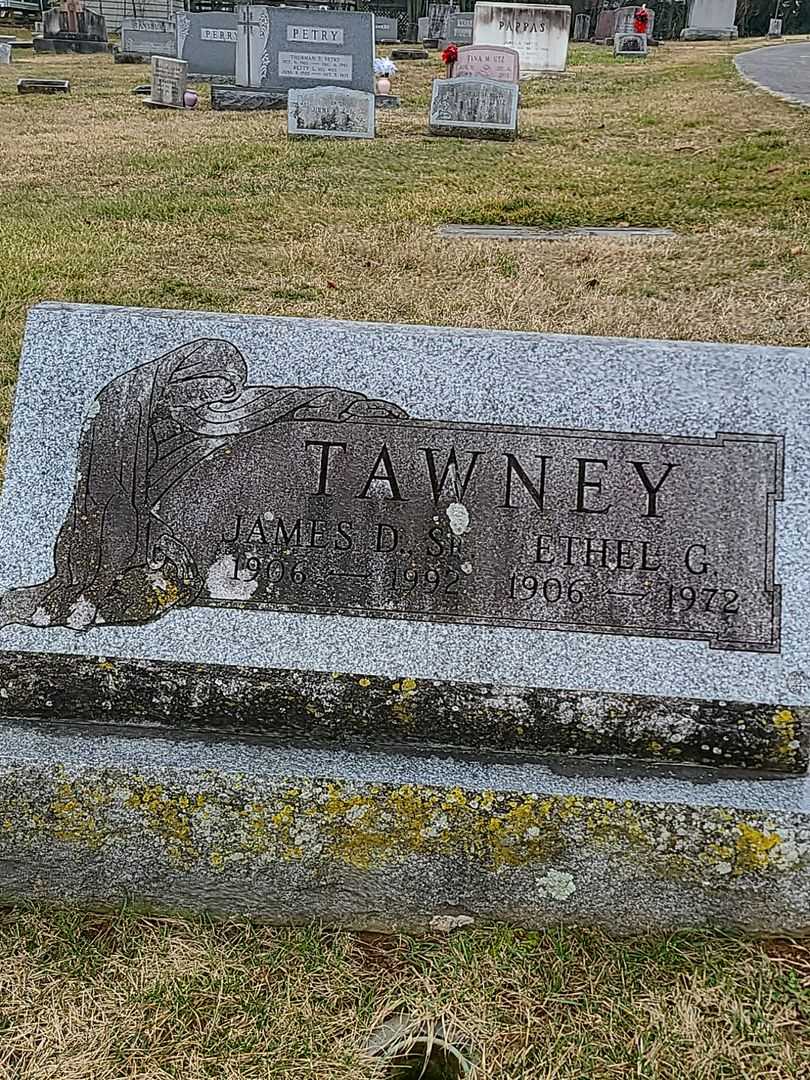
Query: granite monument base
(697, 33)
(242, 99)
(129, 58)
(387, 101)
(98, 818)
(63, 45)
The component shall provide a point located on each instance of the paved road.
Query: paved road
(784, 70)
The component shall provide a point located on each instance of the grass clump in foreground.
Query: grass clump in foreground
(120, 997)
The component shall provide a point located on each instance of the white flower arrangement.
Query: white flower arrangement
(384, 67)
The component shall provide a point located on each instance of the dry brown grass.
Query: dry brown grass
(125, 997)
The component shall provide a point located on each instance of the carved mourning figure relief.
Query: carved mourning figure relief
(195, 488)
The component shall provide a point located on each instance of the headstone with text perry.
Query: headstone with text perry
(207, 42)
(539, 33)
(297, 47)
(256, 550)
(386, 30)
(470, 107)
(487, 62)
(147, 37)
(169, 78)
(330, 112)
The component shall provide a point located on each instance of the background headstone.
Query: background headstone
(582, 27)
(169, 78)
(629, 44)
(539, 34)
(330, 112)
(775, 28)
(207, 42)
(437, 15)
(5, 52)
(459, 29)
(43, 86)
(148, 37)
(710, 20)
(487, 62)
(423, 25)
(71, 26)
(386, 30)
(474, 108)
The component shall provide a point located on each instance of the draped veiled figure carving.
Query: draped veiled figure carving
(116, 560)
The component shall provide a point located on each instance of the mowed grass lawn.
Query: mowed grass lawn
(102, 200)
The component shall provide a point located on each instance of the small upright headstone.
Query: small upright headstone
(141, 39)
(330, 112)
(629, 44)
(169, 78)
(423, 25)
(459, 29)
(207, 42)
(72, 27)
(582, 27)
(469, 107)
(711, 20)
(438, 14)
(487, 62)
(539, 33)
(5, 52)
(386, 30)
(775, 28)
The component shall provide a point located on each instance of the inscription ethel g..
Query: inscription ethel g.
(195, 488)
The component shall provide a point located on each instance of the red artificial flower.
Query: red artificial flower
(641, 21)
(450, 54)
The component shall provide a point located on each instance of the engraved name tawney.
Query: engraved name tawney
(195, 488)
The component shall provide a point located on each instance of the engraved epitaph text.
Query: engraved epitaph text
(197, 489)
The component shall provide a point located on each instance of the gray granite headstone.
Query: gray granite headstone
(459, 28)
(775, 28)
(207, 42)
(169, 78)
(148, 37)
(330, 112)
(625, 44)
(423, 25)
(282, 48)
(474, 108)
(386, 30)
(437, 15)
(582, 27)
(71, 26)
(5, 52)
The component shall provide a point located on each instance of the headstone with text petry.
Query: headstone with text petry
(279, 49)
(141, 39)
(630, 44)
(169, 77)
(474, 108)
(330, 112)
(538, 33)
(293, 632)
(711, 20)
(487, 62)
(207, 42)
(72, 27)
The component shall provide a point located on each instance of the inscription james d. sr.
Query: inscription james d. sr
(195, 488)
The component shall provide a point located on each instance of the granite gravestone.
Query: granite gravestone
(43, 86)
(582, 27)
(711, 20)
(330, 112)
(487, 62)
(72, 27)
(438, 14)
(538, 33)
(169, 78)
(474, 108)
(386, 30)
(630, 44)
(207, 42)
(775, 28)
(459, 29)
(141, 39)
(423, 26)
(255, 548)
(5, 52)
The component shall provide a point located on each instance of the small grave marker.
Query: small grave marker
(539, 33)
(582, 27)
(169, 78)
(634, 45)
(333, 112)
(775, 28)
(5, 52)
(386, 30)
(475, 108)
(459, 29)
(43, 86)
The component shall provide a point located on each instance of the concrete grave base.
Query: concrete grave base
(240, 99)
(410, 54)
(385, 841)
(57, 45)
(387, 101)
(697, 33)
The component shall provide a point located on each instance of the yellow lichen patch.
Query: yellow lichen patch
(754, 847)
(75, 813)
(364, 682)
(169, 817)
(785, 723)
